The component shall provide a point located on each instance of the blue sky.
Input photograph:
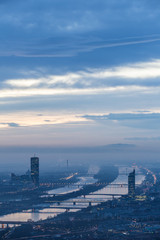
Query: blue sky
(79, 73)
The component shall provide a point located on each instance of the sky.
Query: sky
(79, 75)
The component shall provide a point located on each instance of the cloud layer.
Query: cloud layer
(60, 28)
(144, 120)
(143, 76)
(79, 72)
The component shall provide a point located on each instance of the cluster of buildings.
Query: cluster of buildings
(30, 176)
(33, 176)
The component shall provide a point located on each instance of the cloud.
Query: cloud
(66, 59)
(23, 83)
(69, 47)
(141, 76)
(125, 116)
(133, 116)
(13, 124)
(15, 93)
(10, 124)
(32, 119)
(58, 29)
(137, 71)
(146, 120)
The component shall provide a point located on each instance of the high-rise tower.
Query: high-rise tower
(131, 184)
(35, 170)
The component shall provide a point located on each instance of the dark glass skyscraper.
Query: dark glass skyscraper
(35, 170)
(131, 184)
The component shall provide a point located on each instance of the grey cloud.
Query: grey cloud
(131, 116)
(137, 120)
(27, 22)
(11, 124)
(91, 78)
(124, 116)
(69, 46)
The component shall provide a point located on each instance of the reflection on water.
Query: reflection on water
(81, 202)
(122, 189)
(73, 188)
(23, 217)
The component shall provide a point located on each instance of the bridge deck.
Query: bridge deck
(76, 201)
(88, 184)
(55, 207)
(104, 194)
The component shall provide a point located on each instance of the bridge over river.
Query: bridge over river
(103, 184)
(91, 194)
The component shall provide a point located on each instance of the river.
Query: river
(81, 202)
